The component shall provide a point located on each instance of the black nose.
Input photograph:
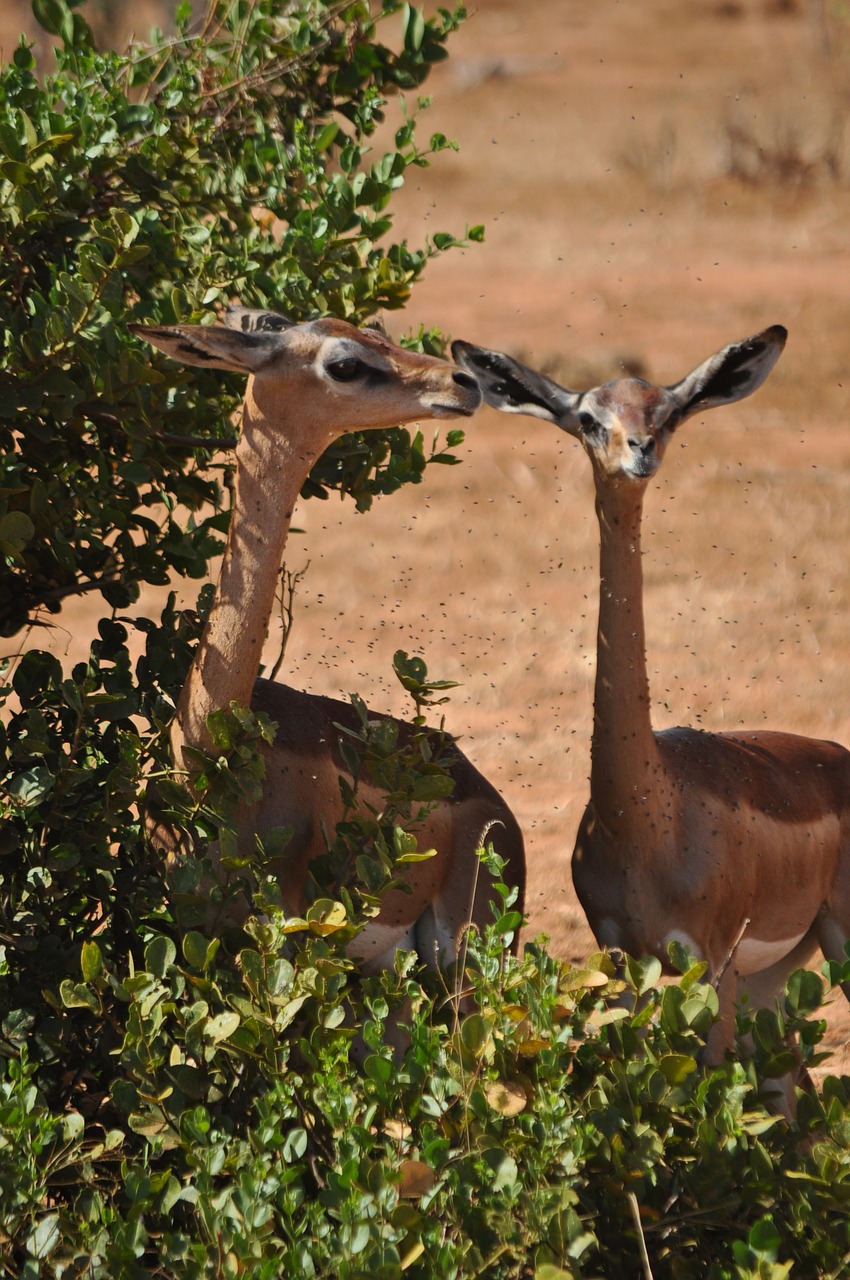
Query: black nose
(464, 379)
(644, 447)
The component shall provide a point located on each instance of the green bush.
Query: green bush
(549, 1133)
(179, 1105)
(151, 186)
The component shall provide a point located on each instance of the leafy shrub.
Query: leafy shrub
(175, 1104)
(151, 185)
(549, 1133)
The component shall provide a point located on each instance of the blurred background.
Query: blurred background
(655, 180)
(114, 22)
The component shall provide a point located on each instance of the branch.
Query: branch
(55, 593)
(288, 585)
(644, 1256)
(716, 980)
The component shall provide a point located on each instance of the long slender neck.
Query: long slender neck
(273, 458)
(623, 751)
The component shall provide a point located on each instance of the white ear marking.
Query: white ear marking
(513, 387)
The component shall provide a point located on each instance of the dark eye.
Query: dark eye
(346, 370)
(588, 423)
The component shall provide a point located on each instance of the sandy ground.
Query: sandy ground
(656, 180)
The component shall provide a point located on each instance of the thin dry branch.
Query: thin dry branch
(644, 1256)
(716, 980)
(288, 586)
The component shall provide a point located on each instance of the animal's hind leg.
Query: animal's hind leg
(764, 987)
(721, 1037)
(465, 896)
(762, 990)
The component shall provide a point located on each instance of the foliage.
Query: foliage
(549, 1133)
(153, 186)
(177, 1102)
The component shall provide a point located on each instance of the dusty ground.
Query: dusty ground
(656, 180)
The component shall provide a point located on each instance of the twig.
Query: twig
(495, 822)
(213, 443)
(288, 585)
(718, 977)
(644, 1256)
(488, 1262)
(841, 1269)
(55, 593)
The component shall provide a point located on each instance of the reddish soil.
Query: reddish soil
(656, 180)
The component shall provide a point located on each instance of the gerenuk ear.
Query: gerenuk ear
(213, 346)
(508, 385)
(250, 320)
(733, 373)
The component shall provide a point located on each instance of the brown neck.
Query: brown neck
(623, 749)
(272, 462)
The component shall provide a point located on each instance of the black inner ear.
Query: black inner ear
(504, 380)
(492, 361)
(512, 389)
(517, 391)
(733, 373)
(189, 349)
(261, 321)
(271, 322)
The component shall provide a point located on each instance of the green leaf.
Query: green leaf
(413, 856)
(644, 974)
(280, 978)
(160, 954)
(23, 57)
(476, 1033)
(378, 1068)
(414, 28)
(676, 1067)
(804, 993)
(431, 787)
(75, 995)
(50, 14)
(199, 951)
(326, 136)
(221, 1027)
(764, 1240)
(31, 787)
(91, 962)
(504, 1167)
(16, 532)
(508, 923)
(294, 1146)
(45, 1238)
